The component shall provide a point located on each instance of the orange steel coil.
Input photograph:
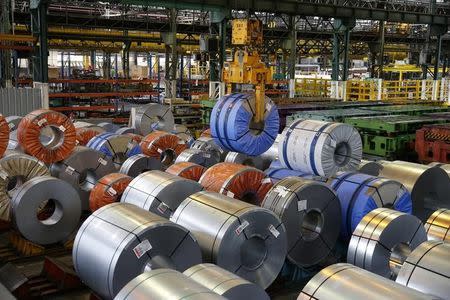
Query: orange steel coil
(136, 137)
(85, 134)
(163, 145)
(59, 131)
(4, 135)
(237, 181)
(206, 133)
(109, 189)
(187, 170)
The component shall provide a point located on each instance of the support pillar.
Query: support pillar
(292, 55)
(38, 9)
(170, 40)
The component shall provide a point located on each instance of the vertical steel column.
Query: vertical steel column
(69, 70)
(292, 54)
(381, 33)
(5, 55)
(180, 82)
(62, 65)
(93, 59)
(438, 57)
(126, 60)
(150, 65)
(38, 9)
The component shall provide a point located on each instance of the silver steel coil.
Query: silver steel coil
(311, 214)
(120, 241)
(208, 144)
(383, 239)
(139, 164)
(55, 193)
(225, 283)
(247, 240)
(108, 127)
(272, 153)
(152, 117)
(258, 162)
(125, 130)
(183, 133)
(81, 124)
(159, 192)
(427, 269)
(82, 169)
(199, 157)
(438, 226)
(13, 123)
(165, 284)
(347, 282)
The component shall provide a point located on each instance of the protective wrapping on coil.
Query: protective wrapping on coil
(360, 193)
(277, 174)
(237, 181)
(258, 162)
(199, 157)
(140, 163)
(320, 148)
(4, 135)
(438, 226)
(383, 239)
(109, 189)
(135, 137)
(85, 134)
(163, 145)
(152, 117)
(187, 170)
(232, 126)
(57, 128)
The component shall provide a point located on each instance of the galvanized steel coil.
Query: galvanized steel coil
(163, 146)
(108, 127)
(244, 239)
(257, 162)
(209, 145)
(183, 133)
(139, 164)
(153, 116)
(199, 157)
(320, 148)
(125, 130)
(383, 239)
(108, 189)
(130, 241)
(438, 226)
(187, 170)
(311, 214)
(159, 192)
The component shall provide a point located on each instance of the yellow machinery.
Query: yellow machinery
(247, 67)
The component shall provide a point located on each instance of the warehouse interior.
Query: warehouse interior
(224, 149)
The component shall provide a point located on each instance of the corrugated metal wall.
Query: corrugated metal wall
(19, 102)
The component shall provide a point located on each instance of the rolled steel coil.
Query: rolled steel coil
(383, 239)
(237, 181)
(225, 283)
(208, 144)
(183, 133)
(187, 170)
(320, 148)
(429, 186)
(159, 192)
(345, 281)
(47, 135)
(130, 241)
(199, 157)
(65, 210)
(13, 124)
(4, 135)
(257, 162)
(136, 137)
(139, 164)
(15, 170)
(81, 124)
(108, 189)
(164, 284)
(82, 169)
(117, 147)
(164, 146)
(85, 134)
(361, 193)
(232, 125)
(438, 226)
(427, 269)
(272, 153)
(277, 174)
(244, 239)
(311, 214)
(108, 127)
(125, 130)
(153, 117)
(206, 133)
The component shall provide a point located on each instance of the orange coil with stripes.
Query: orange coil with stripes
(85, 134)
(237, 181)
(136, 137)
(47, 135)
(163, 145)
(187, 170)
(4, 135)
(109, 189)
(206, 133)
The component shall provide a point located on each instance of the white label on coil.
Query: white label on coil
(266, 180)
(241, 227)
(302, 205)
(3, 175)
(111, 191)
(281, 190)
(102, 161)
(142, 248)
(221, 150)
(160, 151)
(11, 125)
(70, 170)
(333, 143)
(162, 208)
(274, 231)
(207, 155)
(62, 128)
(230, 194)
(181, 142)
(42, 122)
(268, 106)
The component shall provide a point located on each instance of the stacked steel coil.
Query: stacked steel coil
(13, 124)
(183, 133)
(108, 127)
(258, 162)
(163, 146)
(153, 117)
(187, 170)
(4, 135)
(126, 130)
(108, 189)
(209, 145)
(438, 226)
(199, 157)
(85, 134)
(139, 164)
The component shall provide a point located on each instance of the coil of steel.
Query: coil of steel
(345, 281)
(233, 128)
(438, 226)
(13, 124)
(47, 135)
(320, 148)
(225, 283)
(427, 269)
(15, 170)
(139, 164)
(153, 116)
(199, 157)
(272, 153)
(257, 162)
(311, 214)
(383, 239)
(429, 186)
(247, 240)
(164, 284)
(82, 169)
(130, 241)
(108, 127)
(361, 193)
(183, 133)
(209, 145)
(4, 135)
(237, 181)
(108, 189)
(85, 134)
(187, 170)
(163, 146)
(126, 130)
(59, 197)
(159, 192)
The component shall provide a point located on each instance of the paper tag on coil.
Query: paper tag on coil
(42, 122)
(159, 151)
(281, 190)
(302, 205)
(230, 194)
(274, 231)
(207, 155)
(142, 248)
(162, 207)
(102, 161)
(111, 191)
(181, 142)
(11, 125)
(62, 128)
(241, 227)
(69, 170)
(266, 180)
